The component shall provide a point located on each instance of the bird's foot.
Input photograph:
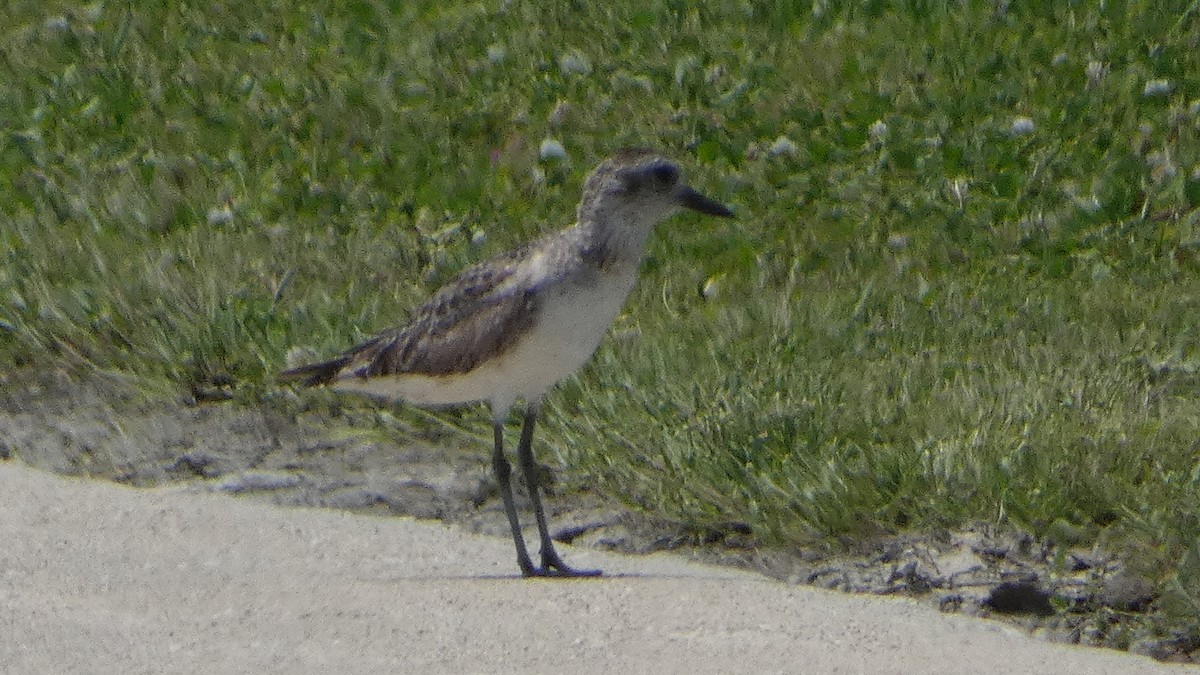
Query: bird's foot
(564, 573)
(553, 566)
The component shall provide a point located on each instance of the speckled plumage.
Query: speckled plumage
(485, 310)
(510, 328)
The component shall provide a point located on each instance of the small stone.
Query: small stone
(958, 562)
(1080, 561)
(950, 603)
(496, 53)
(911, 577)
(1095, 72)
(200, 464)
(1150, 647)
(1126, 592)
(1020, 597)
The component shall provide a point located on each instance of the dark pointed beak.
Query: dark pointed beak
(695, 201)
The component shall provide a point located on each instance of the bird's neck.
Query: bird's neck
(614, 239)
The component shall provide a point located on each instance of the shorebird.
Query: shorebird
(512, 327)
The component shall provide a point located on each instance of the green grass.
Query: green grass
(923, 316)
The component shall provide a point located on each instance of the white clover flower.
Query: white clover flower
(1022, 125)
(551, 149)
(574, 63)
(782, 146)
(1157, 88)
(877, 132)
(496, 53)
(220, 215)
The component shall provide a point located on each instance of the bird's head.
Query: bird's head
(640, 187)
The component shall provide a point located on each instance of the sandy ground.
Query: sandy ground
(99, 577)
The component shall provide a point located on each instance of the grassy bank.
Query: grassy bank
(963, 283)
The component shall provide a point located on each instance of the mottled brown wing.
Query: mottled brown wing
(444, 341)
(468, 320)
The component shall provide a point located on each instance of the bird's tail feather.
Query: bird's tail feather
(316, 373)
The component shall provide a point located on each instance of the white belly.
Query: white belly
(571, 324)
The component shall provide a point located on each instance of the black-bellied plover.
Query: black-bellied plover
(512, 327)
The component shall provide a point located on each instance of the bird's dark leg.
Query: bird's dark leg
(503, 471)
(552, 565)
